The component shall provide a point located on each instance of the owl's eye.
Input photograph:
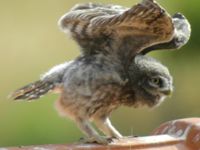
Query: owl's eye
(155, 81)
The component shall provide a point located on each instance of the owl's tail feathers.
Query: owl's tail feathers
(33, 90)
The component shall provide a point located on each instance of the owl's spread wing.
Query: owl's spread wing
(112, 28)
(180, 38)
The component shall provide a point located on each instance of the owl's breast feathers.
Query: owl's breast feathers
(113, 28)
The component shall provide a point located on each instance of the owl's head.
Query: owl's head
(150, 80)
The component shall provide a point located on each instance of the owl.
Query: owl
(112, 69)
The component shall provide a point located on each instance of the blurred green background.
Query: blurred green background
(31, 43)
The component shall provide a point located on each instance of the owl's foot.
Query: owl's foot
(99, 140)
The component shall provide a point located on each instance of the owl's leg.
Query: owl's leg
(106, 127)
(89, 131)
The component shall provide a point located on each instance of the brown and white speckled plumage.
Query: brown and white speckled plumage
(92, 87)
(180, 38)
(111, 70)
(116, 29)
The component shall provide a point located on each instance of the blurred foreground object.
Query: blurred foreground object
(183, 134)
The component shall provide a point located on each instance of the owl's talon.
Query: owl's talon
(111, 139)
(98, 140)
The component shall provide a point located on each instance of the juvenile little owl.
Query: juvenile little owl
(112, 69)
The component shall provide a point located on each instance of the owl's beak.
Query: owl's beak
(168, 91)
